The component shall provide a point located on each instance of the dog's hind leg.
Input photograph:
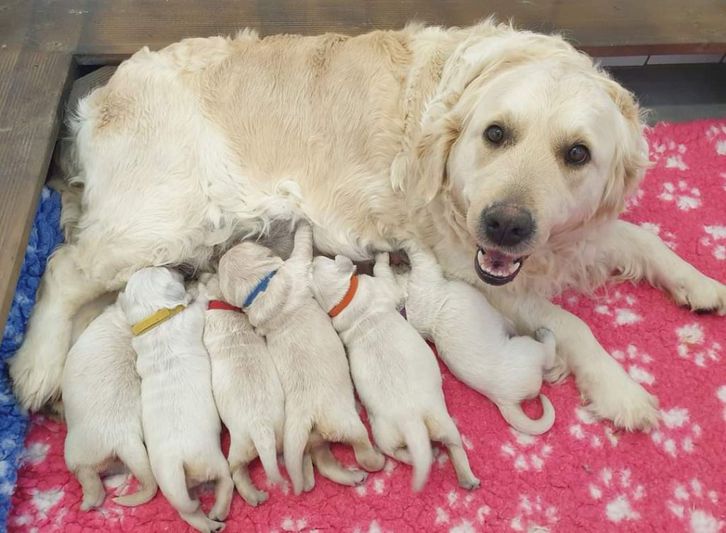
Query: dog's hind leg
(93, 491)
(37, 367)
(241, 452)
(172, 481)
(133, 455)
(223, 490)
(347, 427)
(329, 467)
(442, 429)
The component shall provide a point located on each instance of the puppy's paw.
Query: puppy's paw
(558, 371)
(700, 293)
(469, 483)
(623, 401)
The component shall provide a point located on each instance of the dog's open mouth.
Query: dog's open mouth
(495, 267)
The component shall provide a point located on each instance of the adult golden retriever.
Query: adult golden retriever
(506, 151)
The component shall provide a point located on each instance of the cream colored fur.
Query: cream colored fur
(102, 399)
(247, 392)
(180, 420)
(308, 355)
(393, 369)
(478, 344)
(376, 138)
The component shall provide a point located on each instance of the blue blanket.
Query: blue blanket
(44, 237)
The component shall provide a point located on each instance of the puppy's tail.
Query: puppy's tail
(173, 483)
(515, 417)
(416, 436)
(264, 441)
(133, 455)
(297, 432)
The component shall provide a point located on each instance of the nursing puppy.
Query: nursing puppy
(477, 344)
(246, 389)
(394, 370)
(102, 398)
(180, 420)
(308, 354)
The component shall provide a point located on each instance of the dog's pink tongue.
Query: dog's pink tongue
(497, 260)
(497, 264)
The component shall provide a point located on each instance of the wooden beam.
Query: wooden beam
(32, 86)
(111, 30)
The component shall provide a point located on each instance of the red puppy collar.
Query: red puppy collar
(335, 311)
(223, 306)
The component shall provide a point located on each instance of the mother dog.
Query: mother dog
(507, 152)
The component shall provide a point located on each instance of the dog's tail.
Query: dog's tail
(173, 484)
(515, 417)
(297, 433)
(416, 436)
(133, 455)
(265, 443)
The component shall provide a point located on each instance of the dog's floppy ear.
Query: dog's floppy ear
(631, 158)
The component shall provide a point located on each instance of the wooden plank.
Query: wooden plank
(32, 86)
(113, 29)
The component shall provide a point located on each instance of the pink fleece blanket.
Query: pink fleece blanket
(582, 475)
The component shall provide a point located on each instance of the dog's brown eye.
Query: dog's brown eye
(494, 134)
(578, 154)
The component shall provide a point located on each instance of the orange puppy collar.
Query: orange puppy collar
(335, 311)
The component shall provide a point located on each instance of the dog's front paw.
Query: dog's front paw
(36, 381)
(623, 401)
(701, 294)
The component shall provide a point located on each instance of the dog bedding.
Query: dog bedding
(582, 475)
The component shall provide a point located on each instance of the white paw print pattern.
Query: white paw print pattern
(533, 514)
(670, 153)
(692, 345)
(636, 362)
(459, 514)
(717, 135)
(715, 239)
(620, 307)
(684, 196)
(634, 199)
(293, 524)
(692, 504)
(676, 434)
(526, 452)
(668, 237)
(619, 494)
(588, 429)
(377, 483)
(721, 395)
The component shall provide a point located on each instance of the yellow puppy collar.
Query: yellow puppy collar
(151, 321)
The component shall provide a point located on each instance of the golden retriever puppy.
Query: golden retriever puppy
(394, 370)
(180, 420)
(102, 401)
(477, 343)
(509, 153)
(246, 389)
(307, 353)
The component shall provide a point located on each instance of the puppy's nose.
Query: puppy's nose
(507, 225)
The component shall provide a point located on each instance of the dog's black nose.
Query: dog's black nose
(507, 225)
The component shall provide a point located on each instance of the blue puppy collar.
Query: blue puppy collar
(260, 287)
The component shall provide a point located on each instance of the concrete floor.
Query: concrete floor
(677, 93)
